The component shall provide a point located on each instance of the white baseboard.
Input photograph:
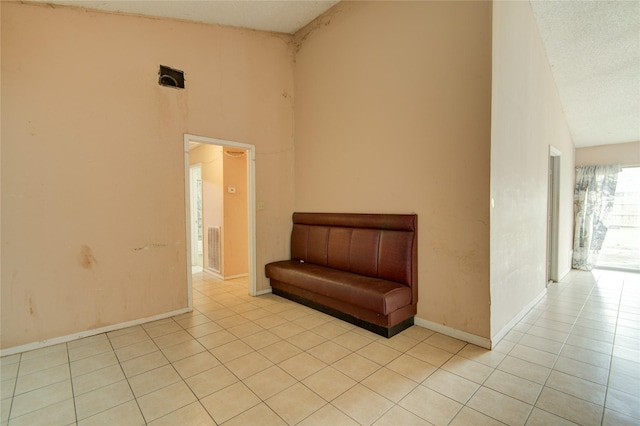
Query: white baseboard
(213, 274)
(88, 333)
(261, 292)
(455, 333)
(222, 277)
(233, 277)
(515, 320)
(563, 274)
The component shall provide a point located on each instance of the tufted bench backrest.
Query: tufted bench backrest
(376, 245)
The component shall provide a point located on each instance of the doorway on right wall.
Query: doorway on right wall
(621, 247)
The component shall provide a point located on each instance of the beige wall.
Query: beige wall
(625, 154)
(526, 118)
(393, 113)
(235, 229)
(393, 104)
(93, 217)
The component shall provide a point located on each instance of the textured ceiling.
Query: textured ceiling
(593, 48)
(284, 16)
(594, 51)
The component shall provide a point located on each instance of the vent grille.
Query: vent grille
(171, 77)
(214, 248)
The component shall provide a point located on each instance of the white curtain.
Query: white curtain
(592, 202)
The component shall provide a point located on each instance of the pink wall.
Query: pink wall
(393, 104)
(93, 217)
(236, 237)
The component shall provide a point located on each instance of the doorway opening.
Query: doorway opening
(553, 212)
(197, 249)
(220, 210)
(621, 247)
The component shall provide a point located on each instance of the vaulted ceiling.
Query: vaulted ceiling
(594, 51)
(593, 48)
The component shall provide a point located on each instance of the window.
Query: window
(621, 247)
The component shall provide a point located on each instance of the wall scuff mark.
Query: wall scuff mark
(31, 306)
(150, 246)
(86, 258)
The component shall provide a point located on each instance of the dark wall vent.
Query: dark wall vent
(171, 77)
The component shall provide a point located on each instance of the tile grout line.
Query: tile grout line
(178, 373)
(226, 387)
(327, 403)
(462, 405)
(198, 399)
(393, 403)
(494, 369)
(15, 386)
(557, 356)
(73, 395)
(127, 378)
(311, 390)
(606, 387)
(564, 343)
(241, 381)
(482, 385)
(613, 347)
(182, 378)
(26, 392)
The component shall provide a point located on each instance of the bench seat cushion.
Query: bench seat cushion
(378, 295)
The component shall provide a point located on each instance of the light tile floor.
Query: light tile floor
(240, 360)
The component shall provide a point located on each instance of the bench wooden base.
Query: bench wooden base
(374, 328)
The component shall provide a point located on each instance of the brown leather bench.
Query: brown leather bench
(361, 268)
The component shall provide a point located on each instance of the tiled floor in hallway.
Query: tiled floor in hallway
(240, 360)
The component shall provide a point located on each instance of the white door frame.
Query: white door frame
(251, 202)
(553, 214)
